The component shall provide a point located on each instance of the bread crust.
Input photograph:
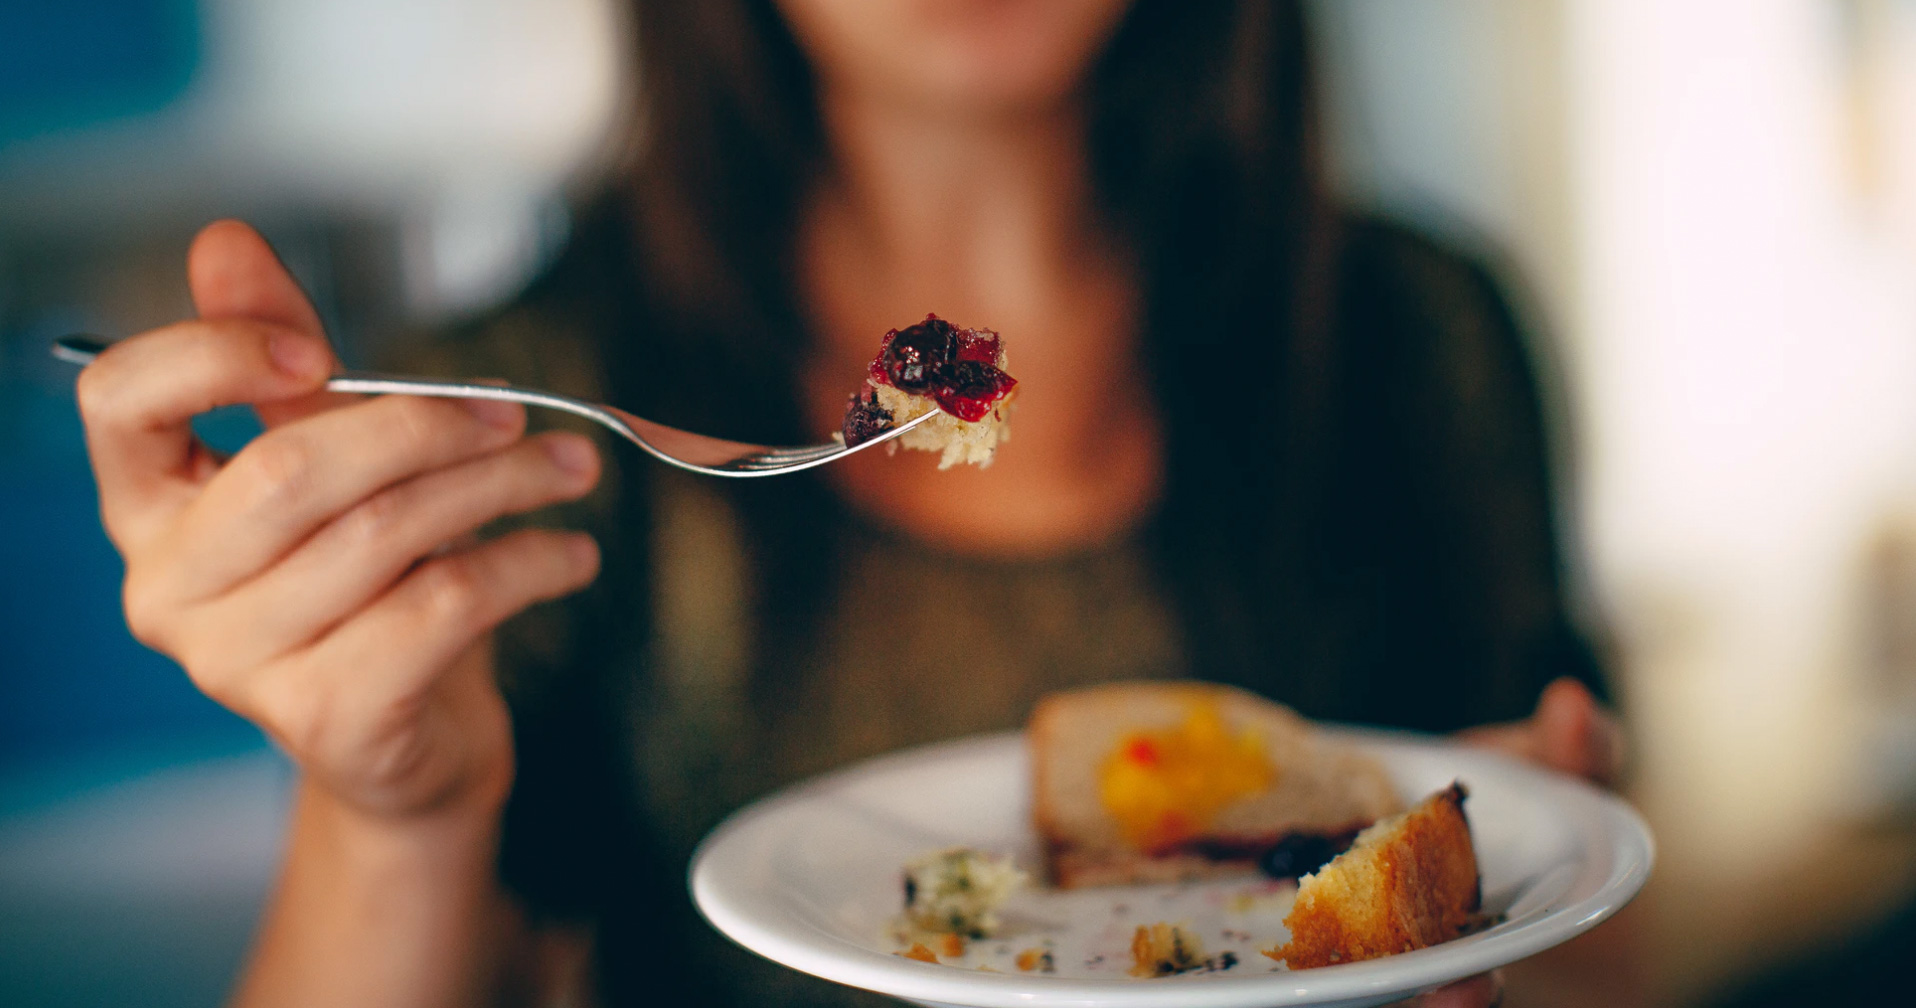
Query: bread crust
(1321, 787)
(1414, 885)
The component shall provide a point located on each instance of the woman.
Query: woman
(1254, 443)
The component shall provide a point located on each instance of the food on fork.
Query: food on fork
(1158, 782)
(1408, 882)
(935, 365)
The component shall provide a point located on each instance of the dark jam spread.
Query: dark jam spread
(865, 419)
(958, 368)
(1286, 857)
(1303, 853)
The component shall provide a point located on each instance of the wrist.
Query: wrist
(457, 785)
(413, 902)
(453, 836)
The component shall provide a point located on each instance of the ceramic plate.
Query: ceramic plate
(810, 878)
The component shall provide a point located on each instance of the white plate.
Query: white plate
(810, 878)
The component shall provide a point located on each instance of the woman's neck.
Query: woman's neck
(987, 217)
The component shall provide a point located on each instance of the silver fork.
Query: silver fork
(695, 452)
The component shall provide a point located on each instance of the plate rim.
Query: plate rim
(1625, 840)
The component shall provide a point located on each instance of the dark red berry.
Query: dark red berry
(981, 345)
(966, 389)
(916, 352)
(972, 380)
(865, 419)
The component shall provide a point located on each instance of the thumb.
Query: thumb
(233, 273)
(1485, 990)
(1573, 734)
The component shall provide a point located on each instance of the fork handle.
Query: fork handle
(682, 449)
(81, 348)
(78, 348)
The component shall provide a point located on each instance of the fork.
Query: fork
(683, 449)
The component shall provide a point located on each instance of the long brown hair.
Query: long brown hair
(1315, 537)
(1203, 156)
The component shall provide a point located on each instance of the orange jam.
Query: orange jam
(1165, 786)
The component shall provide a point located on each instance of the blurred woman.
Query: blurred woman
(1256, 442)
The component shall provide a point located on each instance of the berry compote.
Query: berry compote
(1303, 853)
(865, 419)
(957, 368)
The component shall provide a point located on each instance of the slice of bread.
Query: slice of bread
(1406, 883)
(1161, 781)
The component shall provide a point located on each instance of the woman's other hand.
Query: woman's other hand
(1485, 990)
(309, 583)
(1568, 732)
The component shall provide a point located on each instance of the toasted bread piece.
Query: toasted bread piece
(936, 367)
(1408, 882)
(1221, 777)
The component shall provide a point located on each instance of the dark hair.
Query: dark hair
(1356, 526)
(1203, 157)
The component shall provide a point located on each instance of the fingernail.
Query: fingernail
(572, 454)
(494, 413)
(296, 353)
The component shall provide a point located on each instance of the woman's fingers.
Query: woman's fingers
(1485, 990)
(358, 555)
(139, 398)
(350, 652)
(233, 273)
(1569, 732)
(390, 652)
(1574, 735)
(258, 341)
(292, 480)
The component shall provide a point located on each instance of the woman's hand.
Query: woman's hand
(1568, 732)
(311, 583)
(1485, 990)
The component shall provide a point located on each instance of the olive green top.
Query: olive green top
(749, 634)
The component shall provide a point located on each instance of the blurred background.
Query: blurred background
(1708, 207)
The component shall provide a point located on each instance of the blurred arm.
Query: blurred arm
(371, 912)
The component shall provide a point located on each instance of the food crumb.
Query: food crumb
(951, 945)
(919, 952)
(1037, 959)
(1162, 949)
(957, 891)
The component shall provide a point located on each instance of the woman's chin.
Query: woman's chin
(957, 57)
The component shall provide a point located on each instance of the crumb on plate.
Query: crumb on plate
(1038, 959)
(958, 891)
(919, 952)
(1161, 949)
